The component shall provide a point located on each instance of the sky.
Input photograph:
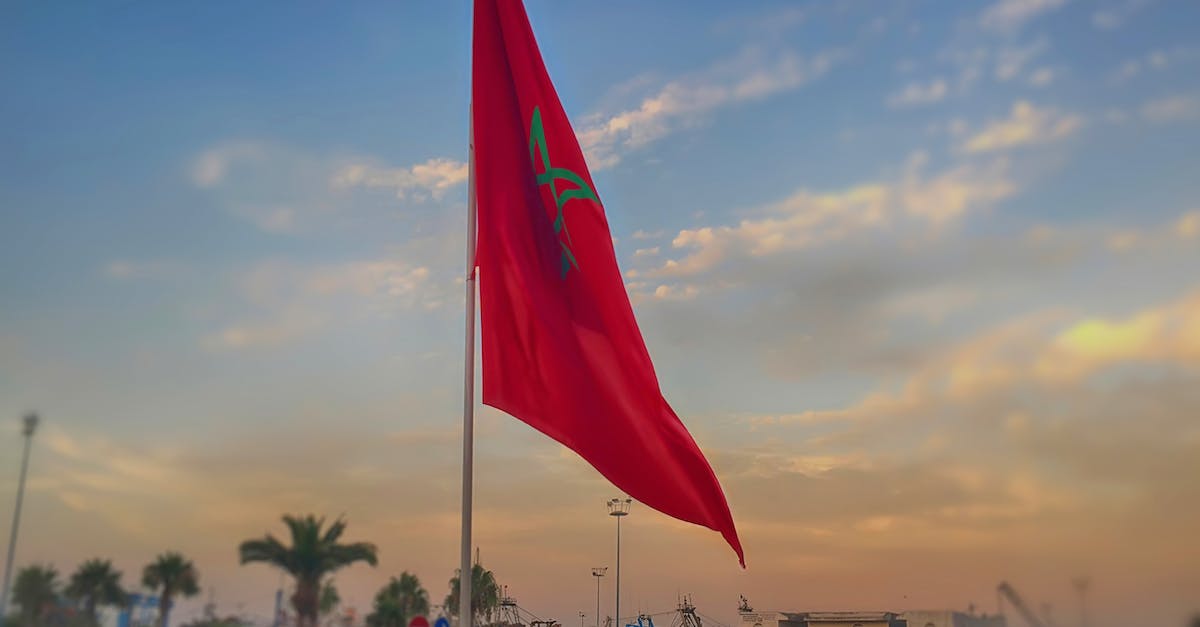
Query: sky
(922, 278)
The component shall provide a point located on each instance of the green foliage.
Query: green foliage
(313, 554)
(96, 583)
(398, 602)
(329, 598)
(485, 594)
(35, 591)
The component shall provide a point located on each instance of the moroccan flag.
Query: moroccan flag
(561, 348)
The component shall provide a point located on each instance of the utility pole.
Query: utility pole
(1081, 586)
(27, 429)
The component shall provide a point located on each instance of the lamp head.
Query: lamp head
(31, 421)
(619, 507)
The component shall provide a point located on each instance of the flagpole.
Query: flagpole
(465, 572)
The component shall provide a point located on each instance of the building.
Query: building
(821, 619)
(920, 618)
(950, 618)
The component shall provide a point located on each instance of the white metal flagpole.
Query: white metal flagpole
(465, 572)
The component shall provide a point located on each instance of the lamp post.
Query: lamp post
(598, 573)
(1081, 587)
(619, 509)
(30, 424)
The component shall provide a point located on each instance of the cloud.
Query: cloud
(211, 167)
(1178, 108)
(1188, 226)
(1012, 15)
(1115, 15)
(1042, 77)
(286, 302)
(431, 178)
(385, 277)
(284, 190)
(1047, 348)
(915, 94)
(128, 270)
(1167, 334)
(1127, 70)
(1011, 60)
(285, 329)
(754, 75)
(807, 218)
(1156, 60)
(1026, 125)
(669, 292)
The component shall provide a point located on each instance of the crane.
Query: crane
(1008, 592)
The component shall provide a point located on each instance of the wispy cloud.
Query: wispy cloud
(1027, 124)
(1156, 60)
(1178, 108)
(431, 178)
(211, 166)
(286, 302)
(807, 218)
(129, 270)
(1012, 60)
(285, 190)
(1011, 15)
(1042, 77)
(914, 94)
(1116, 14)
(753, 75)
(286, 327)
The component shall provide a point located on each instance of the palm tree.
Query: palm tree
(313, 555)
(96, 583)
(398, 601)
(35, 590)
(170, 573)
(485, 594)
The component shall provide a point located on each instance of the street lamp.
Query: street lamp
(29, 425)
(598, 573)
(619, 509)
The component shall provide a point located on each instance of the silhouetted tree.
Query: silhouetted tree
(171, 574)
(96, 583)
(314, 553)
(398, 602)
(485, 594)
(35, 591)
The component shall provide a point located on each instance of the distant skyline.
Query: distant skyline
(922, 278)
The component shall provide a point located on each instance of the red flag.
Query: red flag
(561, 348)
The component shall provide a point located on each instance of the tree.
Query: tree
(329, 599)
(314, 553)
(35, 591)
(485, 594)
(170, 574)
(96, 583)
(398, 602)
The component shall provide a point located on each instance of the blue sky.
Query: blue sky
(918, 269)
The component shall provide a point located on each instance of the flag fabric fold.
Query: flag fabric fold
(561, 348)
